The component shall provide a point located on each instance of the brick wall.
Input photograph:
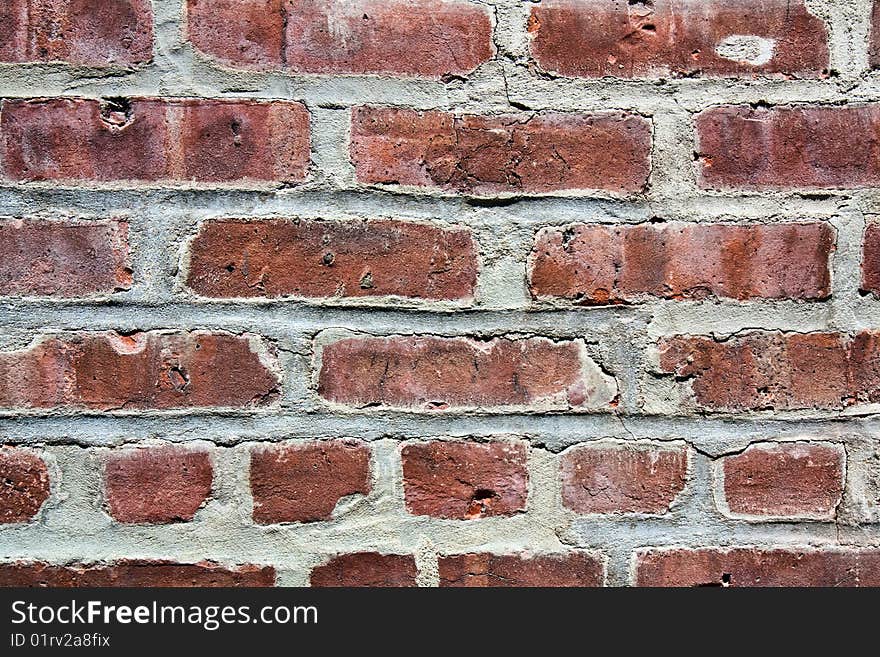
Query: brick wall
(440, 292)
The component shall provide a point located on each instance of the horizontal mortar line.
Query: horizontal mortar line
(710, 434)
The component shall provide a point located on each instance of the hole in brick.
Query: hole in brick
(230, 267)
(179, 378)
(725, 579)
(367, 281)
(116, 113)
(328, 259)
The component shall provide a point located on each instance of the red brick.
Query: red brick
(153, 140)
(367, 569)
(778, 371)
(623, 478)
(304, 482)
(871, 260)
(435, 374)
(497, 154)
(157, 484)
(24, 484)
(574, 569)
(597, 264)
(792, 480)
(106, 33)
(106, 371)
(65, 258)
(276, 258)
(679, 38)
(360, 36)
(134, 574)
(757, 567)
(241, 33)
(465, 480)
(789, 147)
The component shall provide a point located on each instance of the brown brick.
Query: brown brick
(154, 140)
(304, 482)
(24, 484)
(65, 258)
(871, 259)
(367, 569)
(597, 264)
(360, 36)
(277, 258)
(789, 147)
(574, 569)
(779, 371)
(757, 567)
(785, 480)
(106, 33)
(106, 371)
(623, 478)
(157, 484)
(435, 374)
(134, 574)
(874, 36)
(679, 38)
(497, 154)
(465, 480)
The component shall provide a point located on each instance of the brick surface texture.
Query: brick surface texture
(422, 293)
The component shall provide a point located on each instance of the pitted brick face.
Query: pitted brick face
(785, 480)
(64, 258)
(623, 478)
(576, 569)
(107, 371)
(440, 374)
(157, 484)
(780, 371)
(659, 38)
(100, 34)
(304, 482)
(24, 484)
(366, 569)
(152, 140)
(316, 259)
(592, 264)
(758, 567)
(411, 38)
(134, 574)
(485, 155)
(465, 480)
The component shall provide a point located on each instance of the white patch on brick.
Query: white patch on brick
(747, 49)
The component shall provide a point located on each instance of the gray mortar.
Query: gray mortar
(73, 526)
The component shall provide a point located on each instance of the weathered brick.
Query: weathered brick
(155, 140)
(367, 569)
(789, 147)
(779, 371)
(277, 258)
(304, 482)
(24, 484)
(680, 38)
(623, 477)
(134, 574)
(157, 484)
(871, 259)
(465, 480)
(435, 374)
(354, 37)
(597, 264)
(498, 154)
(757, 567)
(785, 480)
(573, 569)
(874, 36)
(64, 258)
(107, 371)
(106, 33)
